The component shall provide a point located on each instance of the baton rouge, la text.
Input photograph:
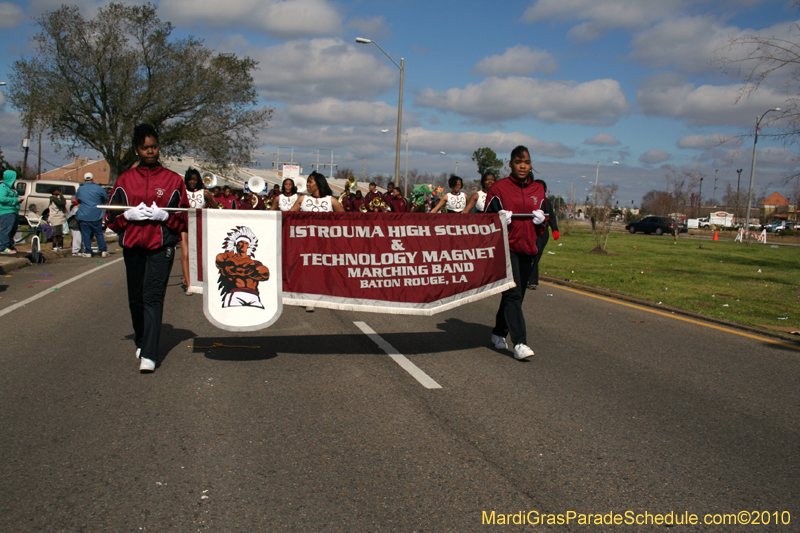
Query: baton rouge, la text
(361, 232)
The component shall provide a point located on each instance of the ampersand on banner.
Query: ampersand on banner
(397, 245)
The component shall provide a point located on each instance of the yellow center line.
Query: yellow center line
(675, 316)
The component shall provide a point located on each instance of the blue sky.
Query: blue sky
(577, 81)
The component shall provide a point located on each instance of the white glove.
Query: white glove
(538, 217)
(158, 214)
(140, 212)
(506, 214)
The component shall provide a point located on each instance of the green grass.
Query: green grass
(714, 278)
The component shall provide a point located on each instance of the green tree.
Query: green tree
(5, 165)
(101, 77)
(487, 160)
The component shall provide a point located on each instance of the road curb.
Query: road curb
(10, 263)
(669, 309)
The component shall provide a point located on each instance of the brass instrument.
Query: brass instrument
(220, 206)
(209, 179)
(254, 200)
(385, 206)
(363, 208)
(375, 203)
(343, 195)
(268, 203)
(351, 183)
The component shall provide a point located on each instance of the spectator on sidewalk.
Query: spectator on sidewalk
(57, 217)
(90, 195)
(75, 229)
(9, 212)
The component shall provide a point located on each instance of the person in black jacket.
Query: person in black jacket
(541, 240)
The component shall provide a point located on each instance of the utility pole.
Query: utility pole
(331, 164)
(39, 174)
(738, 179)
(364, 170)
(715, 186)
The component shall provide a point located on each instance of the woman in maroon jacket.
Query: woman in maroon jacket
(519, 194)
(148, 235)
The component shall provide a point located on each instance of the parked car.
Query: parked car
(776, 226)
(653, 224)
(36, 195)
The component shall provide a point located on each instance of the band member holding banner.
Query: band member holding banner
(148, 235)
(320, 198)
(288, 197)
(478, 200)
(519, 194)
(455, 201)
(199, 198)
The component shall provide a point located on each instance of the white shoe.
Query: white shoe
(147, 365)
(522, 351)
(138, 353)
(309, 309)
(499, 342)
(104, 254)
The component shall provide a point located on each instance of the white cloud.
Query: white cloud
(303, 71)
(691, 44)
(603, 139)
(707, 105)
(652, 157)
(703, 142)
(371, 28)
(598, 102)
(336, 112)
(466, 143)
(280, 18)
(600, 16)
(10, 15)
(519, 60)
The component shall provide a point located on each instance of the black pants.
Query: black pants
(148, 273)
(509, 317)
(541, 242)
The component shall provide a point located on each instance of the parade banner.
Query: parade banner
(240, 266)
(404, 263)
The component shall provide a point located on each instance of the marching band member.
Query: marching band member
(518, 193)
(320, 199)
(387, 197)
(357, 202)
(372, 195)
(227, 200)
(288, 197)
(199, 198)
(398, 203)
(148, 235)
(478, 200)
(455, 200)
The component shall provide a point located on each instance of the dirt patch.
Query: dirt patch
(600, 251)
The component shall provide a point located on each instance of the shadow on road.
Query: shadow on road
(453, 335)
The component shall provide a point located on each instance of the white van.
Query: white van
(36, 195)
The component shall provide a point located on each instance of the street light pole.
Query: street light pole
(597, 176)
(715, 186)
(753, 173)
(738, 179)
(700, 203)
(454, 161)
(405, 185)
(402, 68)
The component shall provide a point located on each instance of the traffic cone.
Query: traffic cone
(715, 235)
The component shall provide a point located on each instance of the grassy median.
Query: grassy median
(759, 285)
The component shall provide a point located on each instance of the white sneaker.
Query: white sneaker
(309, 309)
(104, 254)
(499, 342)
(147, 365)
(138, 353)
(522, 351)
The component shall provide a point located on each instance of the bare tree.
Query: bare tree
(91, 81)
(601, 216)
(757, 59)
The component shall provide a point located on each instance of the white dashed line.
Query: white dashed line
(399, 358)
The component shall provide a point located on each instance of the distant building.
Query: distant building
(75, 171)
(776, 207)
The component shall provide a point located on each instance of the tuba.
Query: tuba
(375, 203)
(254, 200)
(209, 179)
(351, 184)
(256, 184)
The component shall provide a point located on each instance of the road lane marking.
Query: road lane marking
(677, 317)
(399, 358)
(50, 290)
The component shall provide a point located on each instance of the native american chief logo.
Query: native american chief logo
(239, 272)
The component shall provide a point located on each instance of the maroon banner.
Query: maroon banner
(407, 263)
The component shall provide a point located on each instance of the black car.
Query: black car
(657, 225)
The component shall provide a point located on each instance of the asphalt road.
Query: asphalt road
(310, 426)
